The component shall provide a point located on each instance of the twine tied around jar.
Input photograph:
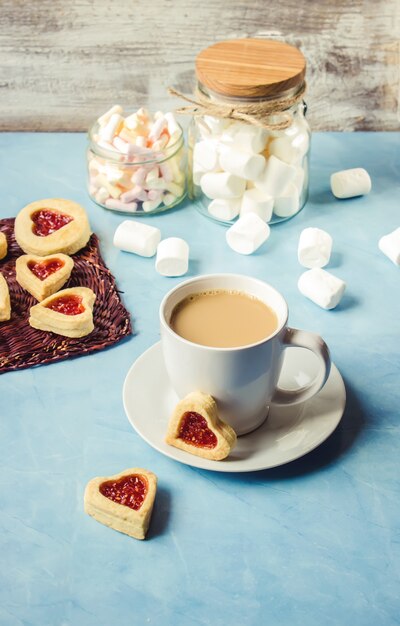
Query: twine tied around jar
(254, 113)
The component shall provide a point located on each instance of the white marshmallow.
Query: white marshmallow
(118, 205)
(222, 185)
(139, 176)
(247, 234)
(315, 247)
(197, 173)
(215, 125)
(103, 119)
(205, 155)
(390, 245)
(350, 183)
(173, 126)
(157, 128)
(321, 287)
(240, 163)
(151, 205)
(288, 203)
(166, 172)
(110, 129)
(245, 137)
(276, 176)
(169, 199)
(136, 237)
(224, 209)
(301, 143)
(254, 201)
(299, 179)
(101, 195)
(283, 149)
(172, 257)
(136, 193)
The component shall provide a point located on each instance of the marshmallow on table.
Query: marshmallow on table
(136, 237)
(350, 183)
(247, 234)
(276, 177)
(172, 257)
(288, 203)
(243, 164)
(224, 209)
(222, 185)
(390, 246)
(254, 201)
(315, 246)
(321, 287)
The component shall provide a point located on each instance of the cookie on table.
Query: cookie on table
(53, 225)
(3, 246)
(5, 303)
(195, 427)
(68, 312)
(124, 501)
(43, 276)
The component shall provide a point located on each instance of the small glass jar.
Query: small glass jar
(237, 167)
(146, 183)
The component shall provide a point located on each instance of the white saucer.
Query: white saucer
(287, 434)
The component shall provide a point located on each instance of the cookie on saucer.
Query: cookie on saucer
(195, 427)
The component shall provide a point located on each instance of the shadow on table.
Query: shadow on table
(161, 513)
(332, 449)
(337, 444)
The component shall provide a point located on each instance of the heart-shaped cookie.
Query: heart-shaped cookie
(124, 501)
(3, 246)
(49, 226)
(43, 275)
(196, 428)
(5, 304)
(68, 312)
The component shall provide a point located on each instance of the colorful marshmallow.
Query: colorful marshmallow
(132, 155)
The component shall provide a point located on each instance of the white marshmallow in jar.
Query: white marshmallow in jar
(249, 140)
(136, 162)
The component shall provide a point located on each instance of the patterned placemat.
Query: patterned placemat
(22, 346)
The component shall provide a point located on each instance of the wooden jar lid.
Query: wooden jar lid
(250, 68)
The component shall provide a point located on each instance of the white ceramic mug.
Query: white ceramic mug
(243, 380)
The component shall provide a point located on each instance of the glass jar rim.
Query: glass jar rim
(114, 154)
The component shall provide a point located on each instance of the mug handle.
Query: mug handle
(315, 343)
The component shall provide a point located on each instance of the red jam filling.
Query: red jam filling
(46, 222)
(69, 305)
(194, 431)
(43, 269)
(129, 490)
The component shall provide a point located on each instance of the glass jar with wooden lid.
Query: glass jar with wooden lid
(249, 139)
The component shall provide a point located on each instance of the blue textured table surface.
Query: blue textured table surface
(313, 542)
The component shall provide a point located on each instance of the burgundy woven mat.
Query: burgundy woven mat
(23, 346)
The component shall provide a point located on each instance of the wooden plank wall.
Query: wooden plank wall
(63, 62)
